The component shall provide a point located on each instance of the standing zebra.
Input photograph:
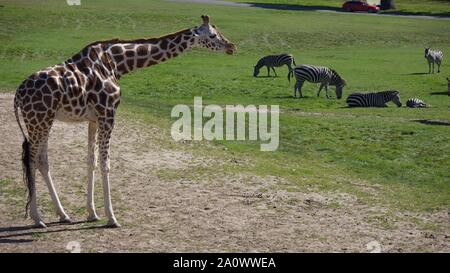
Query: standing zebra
(317, 74)
(378, 99)
(415, 103)
(272, 61)
(433, 57)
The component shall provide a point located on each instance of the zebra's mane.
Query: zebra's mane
(337, 78)
(390, 93)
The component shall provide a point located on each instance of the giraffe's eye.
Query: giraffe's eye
(212, 36)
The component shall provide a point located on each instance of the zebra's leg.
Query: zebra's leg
(320, 89)
(295, 90)
(268, 71)
(439, 67)
(326, 91)
(275, 72)
(429, 67)
(300, 84)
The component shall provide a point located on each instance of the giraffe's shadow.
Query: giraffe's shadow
(16, 232)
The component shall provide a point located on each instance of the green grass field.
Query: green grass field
(321, 143)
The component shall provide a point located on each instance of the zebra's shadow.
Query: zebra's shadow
(439, 93)
(416, 74)
(432, 122)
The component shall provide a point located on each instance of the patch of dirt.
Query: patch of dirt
(225, 212)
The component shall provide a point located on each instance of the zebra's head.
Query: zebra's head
(208, 36)
(396, 98)
(427, 50)
(339, 82)
(256, 71)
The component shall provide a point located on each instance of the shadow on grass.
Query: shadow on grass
(439, 93)
(417, 13)
(339, 9)
(267, 76)
(284, 97)
(416, 74)
(15, 231)
(293, 7)
(433, 122)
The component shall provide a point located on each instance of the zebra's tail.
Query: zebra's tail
(26, 159)
(290, 74)
(293, 61)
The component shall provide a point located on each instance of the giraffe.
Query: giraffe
(85, 88)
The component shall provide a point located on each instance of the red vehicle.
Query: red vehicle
(359, 6)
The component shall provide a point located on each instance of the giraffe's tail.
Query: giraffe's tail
(26, 158)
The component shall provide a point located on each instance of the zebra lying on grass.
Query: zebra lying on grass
(378, 99)
(317, 74)
(272, 61)
(433, 57)
(415, 103)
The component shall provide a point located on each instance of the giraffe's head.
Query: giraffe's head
(208, 36)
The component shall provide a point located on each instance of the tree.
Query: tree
(387, 4)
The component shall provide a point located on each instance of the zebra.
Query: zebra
(415, 103)
(378, 99)
(433, 57)
(272, 61)
(317, 74)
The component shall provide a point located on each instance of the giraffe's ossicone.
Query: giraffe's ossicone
(86, 88)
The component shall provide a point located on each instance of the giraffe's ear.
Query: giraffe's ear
(205, 19)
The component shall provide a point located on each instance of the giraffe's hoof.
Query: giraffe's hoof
(39, 224)
(113, 224)
(93, 218)
(65, 219)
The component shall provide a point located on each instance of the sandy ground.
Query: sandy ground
(173, 213)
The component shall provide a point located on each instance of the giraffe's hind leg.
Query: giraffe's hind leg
(34, 142)
(43, 167)
(92, 164)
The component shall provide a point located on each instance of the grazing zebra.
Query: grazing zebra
(433, 57)
(272, 61)
(415, 103)
(378, 99)
(317, 74)
(448, 86)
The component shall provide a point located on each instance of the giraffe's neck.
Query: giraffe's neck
(131, 55)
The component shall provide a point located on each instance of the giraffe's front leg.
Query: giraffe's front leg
(91, 164)
(106, 126)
